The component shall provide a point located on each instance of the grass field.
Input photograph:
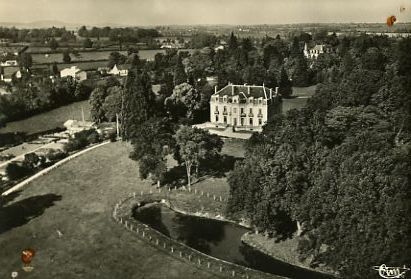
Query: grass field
(58, 57)
(49, 120)
(300, 98)
(304, 91)
(66, 217)
(295, 103)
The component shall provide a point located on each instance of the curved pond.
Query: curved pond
(218, 239)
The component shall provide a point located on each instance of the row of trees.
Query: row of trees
(338, 171)
(115, 34)
(36, 34)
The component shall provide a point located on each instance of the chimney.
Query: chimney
(248, 87)
(232, 89)
(271, 93)
(215, 89)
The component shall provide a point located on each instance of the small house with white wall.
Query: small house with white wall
(313, 53)
(121, 70)
(74, 72)
(9, 63)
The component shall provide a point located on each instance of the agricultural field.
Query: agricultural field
(82, 56)
(49, 120)
(93, 55)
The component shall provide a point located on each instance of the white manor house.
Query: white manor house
(243, 107)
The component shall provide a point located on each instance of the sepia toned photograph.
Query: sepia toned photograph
(202, 139)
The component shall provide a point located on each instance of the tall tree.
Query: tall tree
(284, 84)
(138, 102)
(194, 145)
(233, 42)
(97, 99)
(66, 56)
(180, 75)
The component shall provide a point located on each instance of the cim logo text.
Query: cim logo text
(390, 272)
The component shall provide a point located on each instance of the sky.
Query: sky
(168, 12)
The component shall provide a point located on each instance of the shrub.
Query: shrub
(82, 139)
(16, 171)
(54, 155)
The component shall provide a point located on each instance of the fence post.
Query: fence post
(221, 268)
(144, 234)
(208, 265)
(233, 273)
(221, 198)
(172, 249)
(181, 254)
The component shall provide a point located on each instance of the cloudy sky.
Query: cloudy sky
(161, 12)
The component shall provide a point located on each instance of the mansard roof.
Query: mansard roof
(245, 91)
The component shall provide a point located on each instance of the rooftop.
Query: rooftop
(245, 91)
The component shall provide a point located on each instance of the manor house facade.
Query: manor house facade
(244, 107)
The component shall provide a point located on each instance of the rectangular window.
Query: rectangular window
(251, 110)
(225, 109)
(216, 118)
(260, 111)
(216, 108)
(251, 121)
(260, 121)
(242, 110)
(235, 110)
(241, 121)
(225, 119)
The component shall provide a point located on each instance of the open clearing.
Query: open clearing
(76, 200)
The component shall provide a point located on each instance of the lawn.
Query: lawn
(66, 217)
(295, 103)
(304, 91)
(49, 120)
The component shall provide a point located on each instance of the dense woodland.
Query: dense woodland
(337, 173)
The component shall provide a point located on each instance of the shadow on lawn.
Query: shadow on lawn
(21, 212)
(4, 200)
(214, 167)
